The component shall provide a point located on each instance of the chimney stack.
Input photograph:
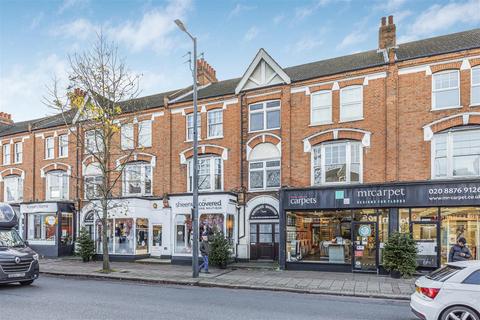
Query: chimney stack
(387, 37)
(205, 73)
(5, 118)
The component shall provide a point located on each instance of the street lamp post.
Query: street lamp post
(195, 270)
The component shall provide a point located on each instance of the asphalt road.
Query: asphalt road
(65, 298)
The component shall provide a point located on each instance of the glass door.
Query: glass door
(365, 244)
(156, 240)
(426, 236)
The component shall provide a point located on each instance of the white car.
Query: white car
(449, 293)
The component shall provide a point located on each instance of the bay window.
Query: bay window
(190, 126)
(210, 174)
(445, 90)
(321, 107)
(13, 188)
(456, 153)
(475, 95)
(337, 162)
(351, 103)
(57, 185)
(137, 179)
(215, 123)
(145, 134)
(264, 116)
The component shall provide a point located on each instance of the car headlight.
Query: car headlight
(35, 256)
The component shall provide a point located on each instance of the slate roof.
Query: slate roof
(417, 49)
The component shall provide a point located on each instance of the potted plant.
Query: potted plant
(86, 246)
(219, 250)
(399, 255)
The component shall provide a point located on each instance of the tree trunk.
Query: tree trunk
(106, 257)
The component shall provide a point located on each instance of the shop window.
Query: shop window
(264, 167)
(63, 146)
(456, 153)
(157, 235)
(445, 90)
(215, 123)
(230, 228)
(126, 133)
(475, 95)
(142, 236)
(190, 126)
(124, 243)
(57, 185)
(211, 223)
(321, 236)
(183, 233)
(460, 222)
(66, 237)
(110, 236)
(18, 152)
(13, 188)
(321, 107)
(351, 103)
(264, 116)
(42, 227)
(137, 179)
(145, 134)
(210, 174)
(404, 220)
(49, 148)
(338, 162)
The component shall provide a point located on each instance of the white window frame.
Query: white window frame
(208, 123)
(449, 155)
(7, 155)
(145, 134)
(63, 146)
(348, 157)
(343, 118)
(97, 144)
(49, 145)
(64, 189)
(18, 152)
(127, 142)
(439, 90)
(316, 108)
(264, 111)
(474, 103)
(19, 188)
(142, 166)
(264, 170)
(199, 126)
(212, 173)
(95, 186)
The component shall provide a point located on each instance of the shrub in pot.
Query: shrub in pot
(86, 246)
(219, 250)
(399, 255)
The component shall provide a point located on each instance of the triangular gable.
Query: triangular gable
(262, 72)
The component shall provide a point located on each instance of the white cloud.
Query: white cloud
(23, 89)
(442, 17)
(251, 34)
(278, 18)
(68, 4)
(390, 5)
(305, 11)
(355, 37)
(306, 44)
(80, 29)
(240, 8)
(36, 20)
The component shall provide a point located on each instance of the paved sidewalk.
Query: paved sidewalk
(348, 284)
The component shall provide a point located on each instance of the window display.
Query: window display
(66, 238)
(42, 227)
(110, 236)
(124, 236)
(157, 235)
(211, 223)
(142, 236)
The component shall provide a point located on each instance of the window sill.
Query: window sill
(188, 141)
(62, 157)
(337, 184)
(18, 162)
(48, 158)
(351, 120)
(446, 108)
(319, 124)
(456, 178)
(263, 130)
(136, 195)
(475, 105)
(263, 190)
(213, 138)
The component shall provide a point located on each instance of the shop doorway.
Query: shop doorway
(426, 235)
(365, 246)
(156, 250)
(264, 239)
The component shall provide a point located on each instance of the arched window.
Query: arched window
(93, 179)
(264, 167)
(210, 173)
(13, 188)
(137, 179)
(456, 153)
(57, 185)
(337, 162)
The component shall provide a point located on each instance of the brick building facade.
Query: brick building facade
(384, 117)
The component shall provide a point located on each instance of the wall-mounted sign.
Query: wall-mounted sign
(264, 211)
(51, 220)
(39, 207)
(206, 204)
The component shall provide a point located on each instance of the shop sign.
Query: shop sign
(39, 207)
(205, 204)
(365, 230)
(264, 211)
(51, 220)
(397, 195)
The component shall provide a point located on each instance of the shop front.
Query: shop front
(217, 213)
(49, 227)
(344, 228)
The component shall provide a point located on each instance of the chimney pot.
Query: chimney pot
(5, 118)
(390, 20)
(384, 21)
(387, 37)
(205, 72)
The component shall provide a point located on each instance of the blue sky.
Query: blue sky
(37, 36)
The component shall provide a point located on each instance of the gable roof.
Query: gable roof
(406, 51)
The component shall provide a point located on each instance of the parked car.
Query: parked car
(18, 262)
(449, 293)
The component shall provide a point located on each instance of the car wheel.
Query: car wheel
(459, 313)
(26, 283)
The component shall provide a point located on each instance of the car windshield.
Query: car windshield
(10, 238)
(443, 273)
